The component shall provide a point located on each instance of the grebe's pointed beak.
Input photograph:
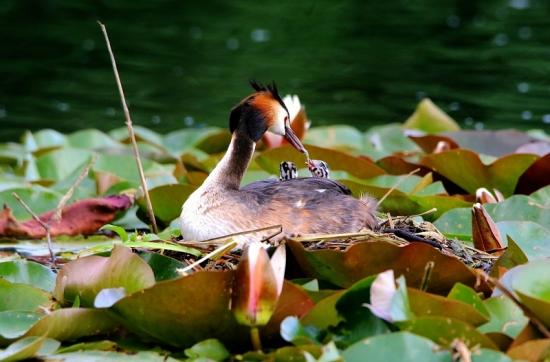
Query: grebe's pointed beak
(294, 140)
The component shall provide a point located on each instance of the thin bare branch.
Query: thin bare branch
(70, 191)
(38, 220)
(131, 132)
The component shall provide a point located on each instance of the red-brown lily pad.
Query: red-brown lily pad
(357, 166)
(343, 268)
(82, 217)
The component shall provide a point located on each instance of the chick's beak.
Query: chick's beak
(294, 140)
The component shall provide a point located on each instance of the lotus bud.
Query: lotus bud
(484, 196)
(258, 285)
(484, 230)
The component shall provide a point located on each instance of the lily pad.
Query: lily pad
(182, 312)
(167, 201)
(430, 118)
(537, 350)
(465, 168)
(22, 297)
(14, 324)
(401, 346)
(341, 137)
(28, 272)
(87, 276)
(444, 331)
(382, 141)
(40, 198)
(61, 163)
(92, 139)
(372, 257)
(72, 323)
(505, 317)
(357, 166)
(27, 348)
(426, 304)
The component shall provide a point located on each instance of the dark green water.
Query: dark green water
(357, 62)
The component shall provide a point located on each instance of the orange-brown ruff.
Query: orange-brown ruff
(302, 206)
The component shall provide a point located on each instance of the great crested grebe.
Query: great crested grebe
(301, 205)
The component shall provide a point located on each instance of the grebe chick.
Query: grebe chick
(287, 171)
(317, 168)
(301, 206)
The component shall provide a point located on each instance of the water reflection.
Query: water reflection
(356, 62)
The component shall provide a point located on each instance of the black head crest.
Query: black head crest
(270, 88)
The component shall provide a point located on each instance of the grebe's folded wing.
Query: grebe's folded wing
(297, 186)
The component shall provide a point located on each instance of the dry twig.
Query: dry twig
(38, 220)
(131, 132)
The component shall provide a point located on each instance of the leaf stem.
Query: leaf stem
(255, 338)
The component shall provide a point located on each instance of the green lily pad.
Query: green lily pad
(167, 201)
(28, 272)
(426, 304)
(505, 317)
(372, 257)
(164, 267)
(29, 347)
(14, 324)
(532, 284)
(210, 349)
(489, 355)
(86, 277)
(465, 169)
(22, 297)
(72, 323)
(124, 166)
(515, 208)
(382, 141)
(142, 134)
(398, 347)
(340, 137)
(45, 138)
(177, 142)
(443, 331)
(430, 118)
(91, 139)
(39, 198)
(108, 356)
(61, 163)
(462, 293)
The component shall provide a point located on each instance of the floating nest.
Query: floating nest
(400, 230)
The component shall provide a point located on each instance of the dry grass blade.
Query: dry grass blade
(131, 133)
(216, 253)
(396, 185)
(42, 223)
(223, 239)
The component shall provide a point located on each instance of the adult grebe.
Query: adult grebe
(301, 205)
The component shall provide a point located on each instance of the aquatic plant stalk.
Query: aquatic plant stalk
(131, 132)
(42, 223)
